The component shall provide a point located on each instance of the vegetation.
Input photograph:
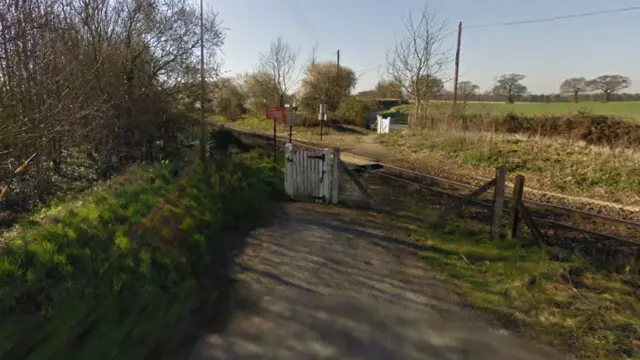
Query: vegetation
(609, 84)
(510, 87)
(417, 59)
(571, 304)
(574, 168)
(92, 86)
(324, 82)
(118, 272)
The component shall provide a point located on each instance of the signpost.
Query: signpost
(275, 113)
(322, 116)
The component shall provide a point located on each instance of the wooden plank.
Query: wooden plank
(528, 220)
(335, 176)
(458, 204)
(357, 183)
(497, 212)
(518, 189)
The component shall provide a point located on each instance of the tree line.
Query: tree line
(510, 88)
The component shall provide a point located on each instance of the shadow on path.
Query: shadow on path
(328, 283)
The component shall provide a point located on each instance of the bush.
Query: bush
(352, 111)
(116, 274)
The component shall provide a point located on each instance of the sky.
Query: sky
(365, 30)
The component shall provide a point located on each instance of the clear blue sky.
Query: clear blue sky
(364, 30)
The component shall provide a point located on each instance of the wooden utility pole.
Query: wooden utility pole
(457, 67)
(203, 124)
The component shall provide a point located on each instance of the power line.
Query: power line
(550, 19)
(300, 19)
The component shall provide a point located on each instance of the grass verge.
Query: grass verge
(117, 273)
(570, 304)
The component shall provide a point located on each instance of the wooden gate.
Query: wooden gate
(308, 173)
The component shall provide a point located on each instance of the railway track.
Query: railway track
(563, 226)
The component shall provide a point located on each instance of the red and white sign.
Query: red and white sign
(276, 113)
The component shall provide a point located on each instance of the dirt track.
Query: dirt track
(331, 284)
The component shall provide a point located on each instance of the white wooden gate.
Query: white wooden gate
(308, 173)
(383, 124)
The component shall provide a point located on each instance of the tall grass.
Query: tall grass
(116, 273)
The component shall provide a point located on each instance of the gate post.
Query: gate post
(335, 176)
(288, 170)
(326, 176)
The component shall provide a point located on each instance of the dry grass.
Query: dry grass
(571, 167)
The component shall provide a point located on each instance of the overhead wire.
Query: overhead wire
(554, 18)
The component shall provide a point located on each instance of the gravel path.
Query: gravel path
(330, 284)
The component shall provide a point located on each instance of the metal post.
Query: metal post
(290, 131)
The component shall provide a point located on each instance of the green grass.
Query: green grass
(117, 272)
(568, 304)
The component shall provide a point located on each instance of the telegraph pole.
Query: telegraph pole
(457, 67)
(203, 124)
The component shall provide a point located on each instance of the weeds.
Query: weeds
(116, 272)
(571, 167)
(570, 304)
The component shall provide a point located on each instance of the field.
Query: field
(629, 110)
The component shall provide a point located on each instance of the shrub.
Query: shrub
(352, 111)
(116, 274)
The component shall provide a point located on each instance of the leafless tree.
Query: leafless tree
(418, 55)
(466, 89)
(574, 86)
(609, 84)
(510, 87)
(280, 64)
(94, 77)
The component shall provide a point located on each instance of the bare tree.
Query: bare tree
(510, 86)
(574, 86)
(466, 89)
(417, 56)
(280, 64)
(609, 84)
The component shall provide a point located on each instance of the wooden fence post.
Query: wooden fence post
(335, 176)
(518, 188)
(498, 203)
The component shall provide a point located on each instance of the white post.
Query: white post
(288, 170)
(326, 175)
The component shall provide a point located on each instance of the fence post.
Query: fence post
(518, 188)
(335, 175)
(498, 203)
